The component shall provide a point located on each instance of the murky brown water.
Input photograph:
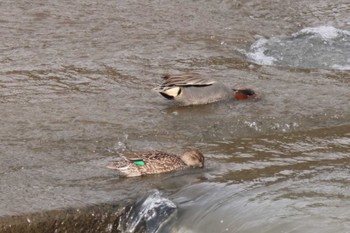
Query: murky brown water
(76, 80)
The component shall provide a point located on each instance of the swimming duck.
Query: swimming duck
(194, 88)
(155, 162)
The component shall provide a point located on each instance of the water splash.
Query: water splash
(323, 47)
(325, 32)
(258, 53)
(149, 214)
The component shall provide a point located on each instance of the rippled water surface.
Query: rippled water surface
(76, 81)
(314, 47)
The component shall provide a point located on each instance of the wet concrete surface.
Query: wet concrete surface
(76, 83)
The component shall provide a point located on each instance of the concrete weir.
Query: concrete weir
(148, 214)
(98, 218)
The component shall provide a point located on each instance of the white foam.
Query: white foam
(257, 53)
(325, 32)
(285, 51)
(340, 67)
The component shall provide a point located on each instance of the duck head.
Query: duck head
(193, 158)
(243, 93)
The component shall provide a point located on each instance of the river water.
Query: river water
(76, 81)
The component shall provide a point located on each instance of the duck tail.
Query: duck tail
(166, 76)
(129, 170)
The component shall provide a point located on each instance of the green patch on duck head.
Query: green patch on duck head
(244, 91)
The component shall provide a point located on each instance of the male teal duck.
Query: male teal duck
(194, 88)
(155, 162)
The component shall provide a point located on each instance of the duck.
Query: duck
(195, 88)
(156, 162)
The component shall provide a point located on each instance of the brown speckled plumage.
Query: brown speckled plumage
(156, 162)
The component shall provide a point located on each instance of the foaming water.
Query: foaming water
(76, 83)
(149, 214)
(290, 184)
(312, 47)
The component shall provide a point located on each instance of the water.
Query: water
(318, 47)
(76, 83)
(263, 190)
(152, 213)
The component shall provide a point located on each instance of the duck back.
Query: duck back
(192, 95)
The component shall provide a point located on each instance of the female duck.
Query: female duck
(157, 162)
(193, 88)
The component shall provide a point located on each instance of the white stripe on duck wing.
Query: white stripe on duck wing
(187, 79)
(194, 88)
(173, 84)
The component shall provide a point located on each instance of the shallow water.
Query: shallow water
(76, 83)
(314, 47)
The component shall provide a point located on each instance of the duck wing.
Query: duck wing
(118, 164)
(172, 84)
(187, 79)
(159, 162)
